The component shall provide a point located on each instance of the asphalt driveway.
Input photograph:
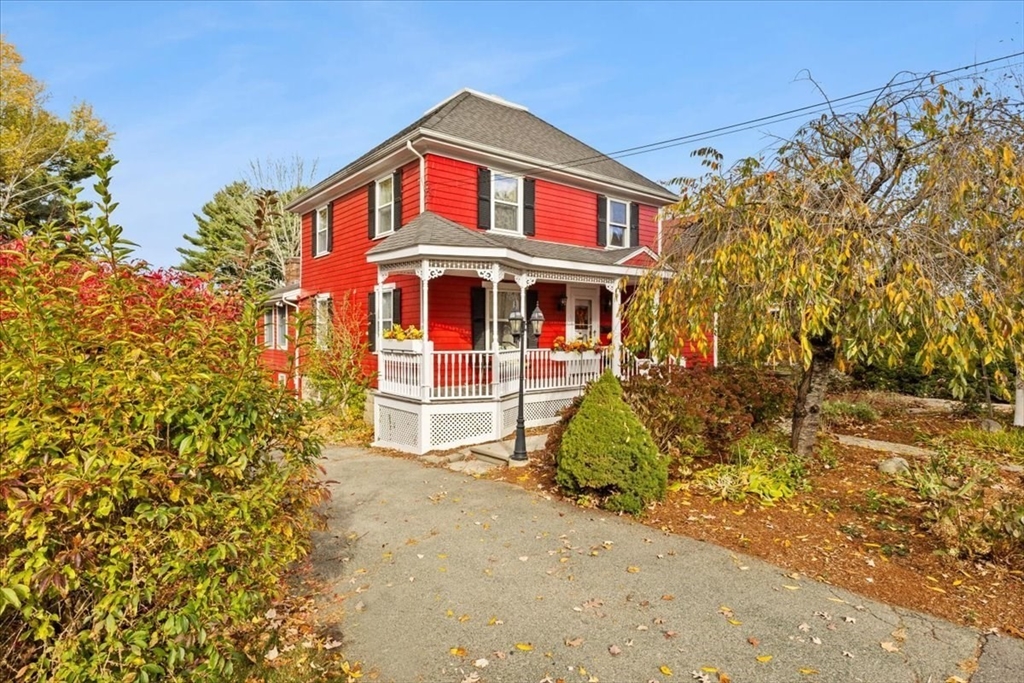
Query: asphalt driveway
(443, 577)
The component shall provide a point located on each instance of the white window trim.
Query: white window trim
(378, 304)
(317, 300)
(377, 206)
(519, 203)
(269, 335)
(321, 230)
(608, 225)
(489, 307)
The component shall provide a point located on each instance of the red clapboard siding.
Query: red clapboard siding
(450, 326)
(451, 189)
(565, 214)
(649, 227)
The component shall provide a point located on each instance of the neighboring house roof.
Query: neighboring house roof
(488, 120)
(288, 291)
(431, 229)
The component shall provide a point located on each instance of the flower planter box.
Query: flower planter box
(406, 345)
(566, 356)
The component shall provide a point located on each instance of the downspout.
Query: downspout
(423, 175)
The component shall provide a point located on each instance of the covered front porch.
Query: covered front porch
(458, 385)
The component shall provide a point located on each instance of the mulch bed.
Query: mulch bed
(855, 528)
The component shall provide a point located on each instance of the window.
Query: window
(322, 245)
(508, 301)
(268, 328)
(385, 205)
(387, 310)
(618, 223)
(282, 327)
(506, 196)
(322, 320)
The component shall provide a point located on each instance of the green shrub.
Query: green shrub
(606, 452)
(155, 483)
(763, 467)
(844, 412)
(717, 405)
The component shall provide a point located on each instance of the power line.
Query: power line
(772, 118)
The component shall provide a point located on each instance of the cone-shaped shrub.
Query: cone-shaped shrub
(607, 452)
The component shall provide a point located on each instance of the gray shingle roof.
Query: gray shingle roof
(483, 120)
(430, 228)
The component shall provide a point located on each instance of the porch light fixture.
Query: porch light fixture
(562, 302)
(515, 324)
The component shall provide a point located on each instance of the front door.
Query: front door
(581, 313)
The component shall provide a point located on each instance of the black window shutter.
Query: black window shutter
(602, 220)
(396, 192)
(396, 306)
(312, 232)
(371, 210)
(634, 225)
(531, 303)
(478, 317)
(371, 318)
(483, 198)
(330, 227)
(529, 199)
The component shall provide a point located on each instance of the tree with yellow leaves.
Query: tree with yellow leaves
(42, 155)
(862, 232)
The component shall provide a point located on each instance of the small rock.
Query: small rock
(893, 466)
(988, 425)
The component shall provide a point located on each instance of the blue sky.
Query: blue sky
(194, 91)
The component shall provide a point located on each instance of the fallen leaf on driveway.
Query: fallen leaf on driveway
(525, 647)
(764, 658)
(665, 670)
(575, 642)
(458, 651)
(481, 663)
(734, 622)
(890, 647)
(464, 618)
(524, 558)
(670, 634)
(633, 570)
(723, 677)
(471, 677)
(668, 596)
(807, 671)
(614, 650)
(753, 641)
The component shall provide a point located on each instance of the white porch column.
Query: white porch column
(613, 288)
(426, 273)
(378, 294)
(494, 275)
(525, 281)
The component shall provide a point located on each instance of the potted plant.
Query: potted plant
(575, 350)
(397, 338)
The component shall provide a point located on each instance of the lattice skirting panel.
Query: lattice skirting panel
(544, 410)
(397, 428)
(508, 418)
(540, 409)
(450, 429)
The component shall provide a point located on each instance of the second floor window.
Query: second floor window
(506, 202)
(618, 223)
(322, 245)
(385, 205)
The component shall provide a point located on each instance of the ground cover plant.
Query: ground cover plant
(605, 452)
(155, 483)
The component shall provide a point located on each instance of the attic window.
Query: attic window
(506, 195)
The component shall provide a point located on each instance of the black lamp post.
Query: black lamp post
(515, 323)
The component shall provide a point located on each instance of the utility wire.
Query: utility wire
(772, 118)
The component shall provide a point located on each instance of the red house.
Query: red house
(476, 209)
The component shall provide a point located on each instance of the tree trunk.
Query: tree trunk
(1018, 408)
(810, 396)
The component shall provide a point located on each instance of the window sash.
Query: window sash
(387, 310)
(281, 322)
(322, 321)
(268, 329)
(504, 205)
(508, 301)
(321, 231)
(618, 232)
(385, 220)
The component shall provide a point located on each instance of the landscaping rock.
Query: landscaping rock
(894, 466)
(988, 425)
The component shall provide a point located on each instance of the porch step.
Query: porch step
(446, 459)
(500, 452)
